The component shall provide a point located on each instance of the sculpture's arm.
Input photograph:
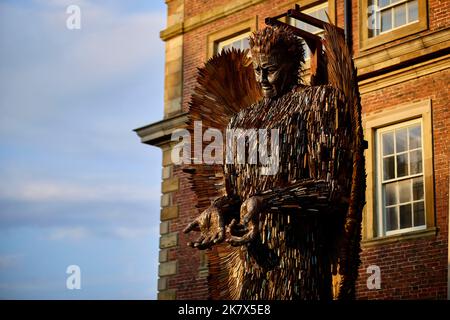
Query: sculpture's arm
(305, 197)
(308, 196)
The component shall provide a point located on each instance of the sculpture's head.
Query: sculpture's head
(277, 56)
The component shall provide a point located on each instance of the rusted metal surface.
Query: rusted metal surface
(290, 232)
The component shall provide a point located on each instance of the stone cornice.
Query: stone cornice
(382, 58)
(172, 31)
(206, 17)
(404, 74)
(159, 133)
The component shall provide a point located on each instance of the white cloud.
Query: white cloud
(10, 260)
(130, 233)
(44, 64)
(76, 192)
(62, 88)
(104, 207)
(69, 233)
(79, 233)
(60, 3)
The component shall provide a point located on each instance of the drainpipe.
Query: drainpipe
(348, 23)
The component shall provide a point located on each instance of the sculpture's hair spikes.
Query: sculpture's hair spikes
(279, 40)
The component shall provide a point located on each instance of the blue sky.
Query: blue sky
(77, 186)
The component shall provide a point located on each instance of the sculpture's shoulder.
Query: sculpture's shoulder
(314, 98)
(317, 92)
(300, 100)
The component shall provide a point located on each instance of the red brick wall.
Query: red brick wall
(410, 269)
(439, 14)
(416, 268)
(187, 281)
(195, 7)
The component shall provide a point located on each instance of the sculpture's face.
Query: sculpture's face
(272, 73)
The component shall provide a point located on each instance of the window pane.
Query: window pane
(402, 165)
(419, 214)
(402, 198)
(413, 12)
(311, 29)
(405, 216)
(246, 43)
(416, 161)
(386, 20)
(388, 143)
(318, 14)
(415, 137)
(404, 191)
(391, 219)
(400, 15)
(300, 24)
(322, 14)
(306, 50)
(227, 47)
(390, 191)
(418, 188)
(384, 3)
(388, 168)
(400, 140)
(307, 27)
(372, 29)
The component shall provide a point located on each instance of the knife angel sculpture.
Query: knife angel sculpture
(280, 207)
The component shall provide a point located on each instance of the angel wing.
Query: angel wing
(225, 85)
(343, 76)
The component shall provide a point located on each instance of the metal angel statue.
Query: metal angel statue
(293, 233)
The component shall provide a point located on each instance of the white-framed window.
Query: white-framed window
(231, 36)
(240, 41)
(320, 12)
(388, 15)
(400, 178)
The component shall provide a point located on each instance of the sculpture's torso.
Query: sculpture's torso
(292, 253)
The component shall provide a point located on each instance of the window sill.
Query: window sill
(394, 35)
(425, 233)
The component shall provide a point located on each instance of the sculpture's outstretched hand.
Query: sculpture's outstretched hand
(246, 231)
(211, 225)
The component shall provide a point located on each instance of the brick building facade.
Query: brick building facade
(401, 49)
